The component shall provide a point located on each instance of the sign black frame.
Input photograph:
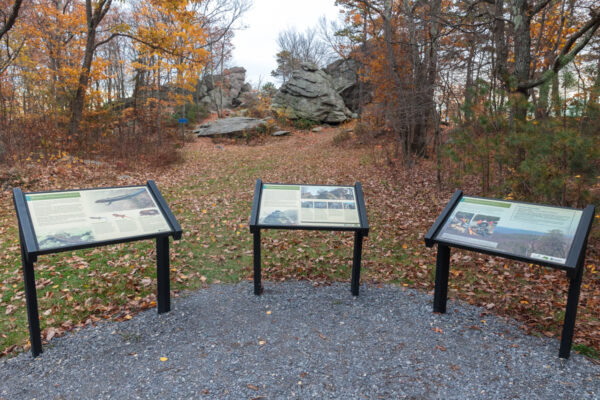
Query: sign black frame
(359, 232)
(30, 251)
(574, 264)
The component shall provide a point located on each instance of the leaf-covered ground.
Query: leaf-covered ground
(211, 192)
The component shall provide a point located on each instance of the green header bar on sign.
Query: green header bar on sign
(52, 196)
(486, 202)
(282, 187)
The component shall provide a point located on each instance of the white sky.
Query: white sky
(255, 46)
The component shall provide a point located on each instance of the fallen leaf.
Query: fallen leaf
(50, 333)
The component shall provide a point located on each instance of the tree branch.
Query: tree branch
(538, 7)
(108, 39)
(12, 17)
(568, 52)
(10, 57)
(148, 44)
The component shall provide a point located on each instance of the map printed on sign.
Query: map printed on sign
(73, 218)
(525, 230)
(308, 205)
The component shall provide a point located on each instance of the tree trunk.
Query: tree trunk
(84, 76)
(389, 47)
(542, 107)
(522, 51)
(595, 89)
(556, 106)
(93, 18)
(158, 107)
(469, 84)
(500, 46)
(420, 145)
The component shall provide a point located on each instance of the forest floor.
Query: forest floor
(210, 192)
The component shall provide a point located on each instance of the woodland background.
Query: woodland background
(506, 90)
(500, 97)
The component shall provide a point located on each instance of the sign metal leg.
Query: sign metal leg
(258, 289)
(442, 269)
(571, 312)
(358, 240)
(163, 282)
(35, 336)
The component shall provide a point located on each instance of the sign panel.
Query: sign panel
(308, 205)
(526, 230)
(73, 218)
(183, 120)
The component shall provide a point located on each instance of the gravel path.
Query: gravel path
(300, 341)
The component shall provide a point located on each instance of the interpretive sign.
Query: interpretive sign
(52, 222)
(551, 236)
(526, 230)
(314, 207)
(308, 205)
(86, 217)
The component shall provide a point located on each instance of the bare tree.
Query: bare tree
(298, 47)
(221, 19)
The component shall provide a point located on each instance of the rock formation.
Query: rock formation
(230, 126)
(345, 81)
(310, 94)
(223, 91)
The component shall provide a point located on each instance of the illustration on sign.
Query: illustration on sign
(526, 230)
(72, 218)
(306, 205)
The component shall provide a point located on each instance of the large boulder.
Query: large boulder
(230, 126)
(310, 94)
(222, 91)
(344, 75)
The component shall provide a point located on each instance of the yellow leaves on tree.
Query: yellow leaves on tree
(171, 39)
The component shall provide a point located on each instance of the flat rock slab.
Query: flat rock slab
(280, 133)
(300, 341)
(229, 126)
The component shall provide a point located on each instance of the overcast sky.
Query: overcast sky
(255, 46)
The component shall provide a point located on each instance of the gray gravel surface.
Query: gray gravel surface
(301, 341)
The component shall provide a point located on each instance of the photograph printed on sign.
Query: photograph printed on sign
(327, 193)
(525, 230)
(74, 237)
(280, 217)
(102, 201)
